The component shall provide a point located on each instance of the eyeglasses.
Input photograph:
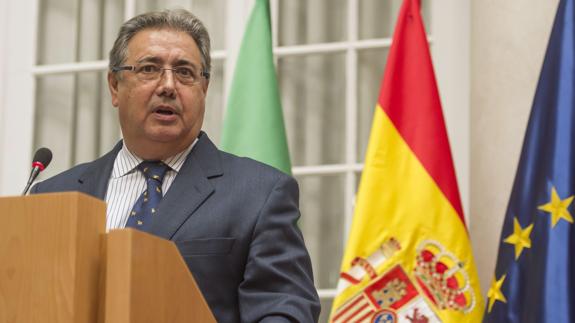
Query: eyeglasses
(152, 72)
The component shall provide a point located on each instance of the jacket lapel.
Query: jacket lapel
(190, 188)
(94, 181)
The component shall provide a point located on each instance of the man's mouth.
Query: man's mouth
(164, 112)
(167, 111)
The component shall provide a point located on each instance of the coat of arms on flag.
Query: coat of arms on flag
(437, 280)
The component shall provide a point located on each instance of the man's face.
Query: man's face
(164, 111)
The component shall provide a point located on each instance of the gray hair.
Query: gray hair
(177, 19)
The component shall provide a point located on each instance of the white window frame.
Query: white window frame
(450, 49)
(17, 86)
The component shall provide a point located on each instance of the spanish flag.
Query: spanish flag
(408, 257)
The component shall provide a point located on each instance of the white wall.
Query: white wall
(18, 21)
(451, 52)
(508, 42)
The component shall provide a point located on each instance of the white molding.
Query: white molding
(334, 47)
(90, 66)
(3, 74)
(274, 14)
(326, 169)
(237, 14)
(351, 122)
(52, 69)
(129, 9)
(326, 294)
(16, 133)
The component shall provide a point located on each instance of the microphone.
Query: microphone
(42, 159)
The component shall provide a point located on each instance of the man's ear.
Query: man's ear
(113, 86)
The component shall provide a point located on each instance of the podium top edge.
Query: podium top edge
(72, 196)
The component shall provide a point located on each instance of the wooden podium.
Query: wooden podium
(58, 265)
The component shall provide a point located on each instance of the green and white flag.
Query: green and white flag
(253, 124)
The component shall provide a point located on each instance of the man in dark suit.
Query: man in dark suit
(233, 219)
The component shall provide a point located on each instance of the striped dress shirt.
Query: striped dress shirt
(126, 184)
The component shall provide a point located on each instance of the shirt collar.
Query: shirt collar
(126, 161)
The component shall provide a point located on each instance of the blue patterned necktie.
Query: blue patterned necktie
(146, 206)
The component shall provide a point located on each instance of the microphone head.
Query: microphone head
(42, 158)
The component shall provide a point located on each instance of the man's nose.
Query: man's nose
(166, 83)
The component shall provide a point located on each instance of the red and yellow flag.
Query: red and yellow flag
(408, 257)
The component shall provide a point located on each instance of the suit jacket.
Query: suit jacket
(234, 221)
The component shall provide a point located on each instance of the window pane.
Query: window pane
(370, 72)
(210, 12)
(313, 98)
(214, 103)
(75, 118)
(54, 109)
(57, 31)
(113, 19)
(325, 309)
(377, 18)
(426, 14)
(92, 101)
(322, 208)
(71, 31)
(308, 22)
(109, 125)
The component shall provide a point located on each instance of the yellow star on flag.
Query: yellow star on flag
(558, 208)
(494, 293)
(519, 238)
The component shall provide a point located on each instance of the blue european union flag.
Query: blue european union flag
(535, 274)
